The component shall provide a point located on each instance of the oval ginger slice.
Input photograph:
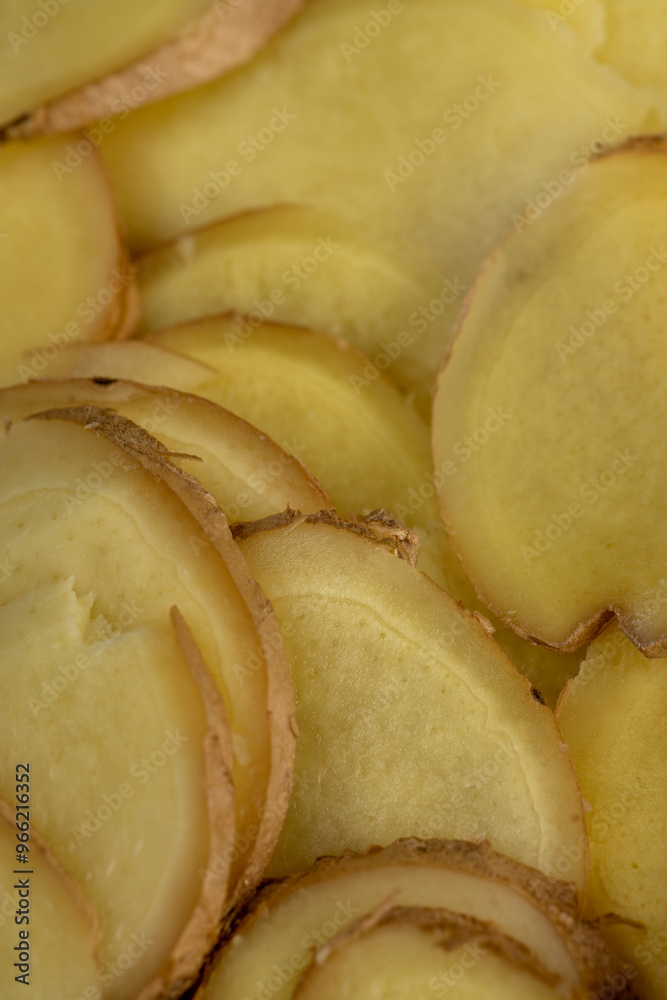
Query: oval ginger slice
(628, 37)
(305, 388)
(130, 764)
(411, 719)
(247, 473)
(273, 940)
(90, 496)
(129, 359)
(289, 263)
(554, 391)
(91, 64)
(435, 185)
(613, 717)
(408, 952)
(311, 394)
(60, 231)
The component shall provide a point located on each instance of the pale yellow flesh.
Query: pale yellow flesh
(412, 722)
(287, 933)
(51, 49)
(115, 744)
(531, 104)
(627, 35)
(613, 720)
(559, 515)
(546, 669)
(397, 963)
(290, 264)
(634, 44)
(315, 412)
(74, 505)
(61, 276)
(59, 935)
(361, 439)
(246, 472)
(588, 20)
(313, 397)
(131, 359)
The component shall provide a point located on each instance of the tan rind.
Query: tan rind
(200, 933)
(459, 855)
(557, 900)
(113, 393)
(448, 931)
(612, 717)
(316, 374)
(378, 526)
(154, 457)
(215, 44)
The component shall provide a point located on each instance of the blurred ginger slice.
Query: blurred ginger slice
(71, 63)
(411, 718)
(428, 128)
(629, 36)
(291, 264)
(63, 271)
(275, 936)
(88, 495)
(131, 360)
(587, 18)
(327, 406)
(59, 922)
(614, 720)
(408, 952)
(560, 514)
